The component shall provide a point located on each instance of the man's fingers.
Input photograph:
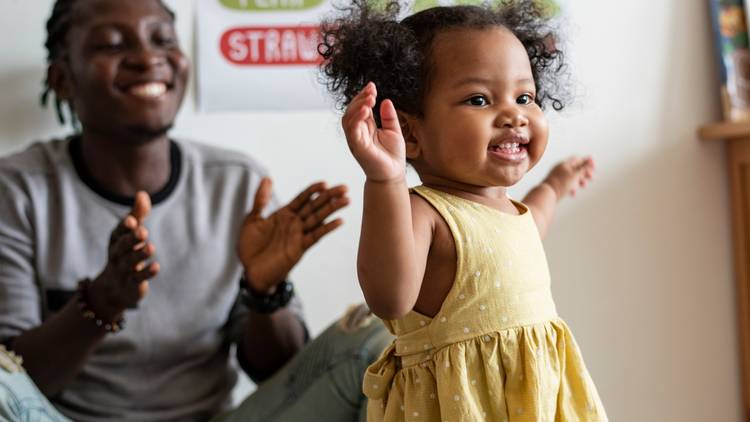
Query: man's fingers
(128, 243)
(147, 272)
(317, 217)
(317, 234)
(301, 199)
(137, 257)
(128, 224)
(262, 198)
(140, 281)
(142, 290)
(136, 285)
(317, 202)
(142, 206)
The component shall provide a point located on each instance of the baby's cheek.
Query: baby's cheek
(539, 138)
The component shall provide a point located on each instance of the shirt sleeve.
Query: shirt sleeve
(20, 307)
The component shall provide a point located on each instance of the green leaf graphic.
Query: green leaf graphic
(270, 5)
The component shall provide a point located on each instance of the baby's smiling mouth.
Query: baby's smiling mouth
(510, 148)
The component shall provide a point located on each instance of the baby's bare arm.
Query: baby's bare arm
(393, 246)
(564, 179)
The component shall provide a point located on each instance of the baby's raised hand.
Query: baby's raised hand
(566, 177)
(379, 151)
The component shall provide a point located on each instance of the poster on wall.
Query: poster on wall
(262, 54)
(259, 54)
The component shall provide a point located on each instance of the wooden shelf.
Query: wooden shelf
(724, 131)
(737, 137)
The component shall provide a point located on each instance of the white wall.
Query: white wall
(641, 261)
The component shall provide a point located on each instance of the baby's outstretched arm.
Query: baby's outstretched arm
(391, 257)
(564, 179)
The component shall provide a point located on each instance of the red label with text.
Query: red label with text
(272, 45)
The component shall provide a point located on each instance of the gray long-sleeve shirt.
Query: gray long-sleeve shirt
(172, 360)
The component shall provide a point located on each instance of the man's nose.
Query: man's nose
(145, 57)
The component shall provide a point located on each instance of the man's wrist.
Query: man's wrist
(100, 302)
(107, 319)
(264, 302)
(260, 287)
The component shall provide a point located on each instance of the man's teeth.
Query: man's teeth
(149, 90)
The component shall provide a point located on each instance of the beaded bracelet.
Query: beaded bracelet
(88, 313)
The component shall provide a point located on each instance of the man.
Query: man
(133, 318)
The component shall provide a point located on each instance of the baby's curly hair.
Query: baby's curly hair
(367, 42)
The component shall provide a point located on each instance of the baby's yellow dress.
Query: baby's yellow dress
(496, 351)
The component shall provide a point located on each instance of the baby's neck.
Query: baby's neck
(492, 196)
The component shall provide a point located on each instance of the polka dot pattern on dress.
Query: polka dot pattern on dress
(495, 309)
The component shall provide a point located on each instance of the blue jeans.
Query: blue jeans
(321, 383)
(21, 401)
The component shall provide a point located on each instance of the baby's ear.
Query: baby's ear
(409, 129)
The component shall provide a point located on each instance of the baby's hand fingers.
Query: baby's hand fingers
(360, 108)
(366, 97)
(588, 172)
(389, 117)
(587, 164)
(575, 162)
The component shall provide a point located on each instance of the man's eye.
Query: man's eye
(478, 100)
(525, 99)
(165, 41)
(109, 46)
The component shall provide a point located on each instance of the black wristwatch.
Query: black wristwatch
(265, 303)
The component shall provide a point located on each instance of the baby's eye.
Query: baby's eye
(525, 99)
(478, 100)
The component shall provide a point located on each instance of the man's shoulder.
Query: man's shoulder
(39, 157)
(210, 157)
